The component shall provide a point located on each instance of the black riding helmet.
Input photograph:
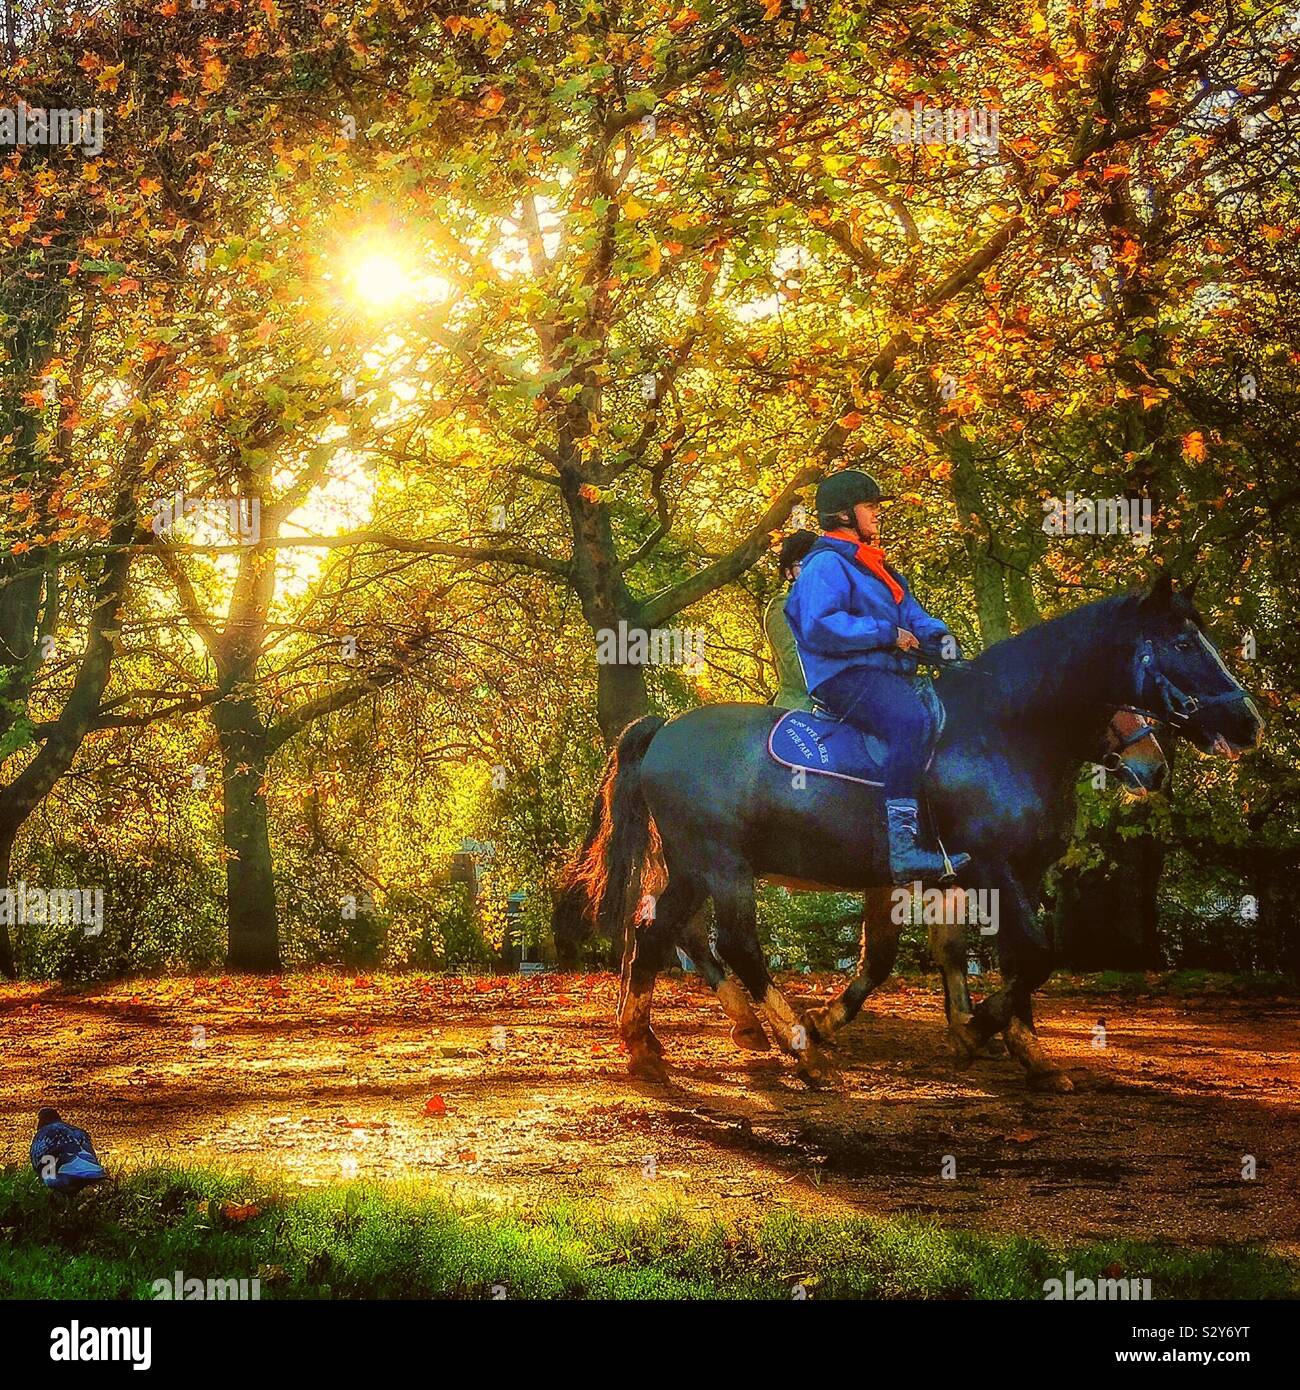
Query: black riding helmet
(841, 492)
(794, 550)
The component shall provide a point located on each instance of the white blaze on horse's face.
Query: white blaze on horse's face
(1185, 682)
(1221, 744)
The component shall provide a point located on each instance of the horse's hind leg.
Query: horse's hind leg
(733, 901)
(875, 960)
(651, 948)
(746, 1030)
(947, 942)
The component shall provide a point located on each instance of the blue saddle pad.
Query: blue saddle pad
(826, 745)
(821, 743)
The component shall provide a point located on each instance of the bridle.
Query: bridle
(1174, 706)
(1160, 703)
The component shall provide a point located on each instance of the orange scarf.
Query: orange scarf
(871, 557)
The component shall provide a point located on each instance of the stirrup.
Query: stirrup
(950, 870)
(949, 873)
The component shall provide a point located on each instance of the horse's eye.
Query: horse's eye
(1183, 644)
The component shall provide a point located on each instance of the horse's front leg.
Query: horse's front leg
(876, 956)
(1025, 957)
(733, 901)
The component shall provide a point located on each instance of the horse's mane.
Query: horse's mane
(1041, 667)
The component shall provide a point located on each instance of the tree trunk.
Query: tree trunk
(1277, 926)
(620, 698)
(972, 520)
(254, 942)
(1107, 919)
(7, 966)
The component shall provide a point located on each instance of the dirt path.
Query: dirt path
(324, 1077)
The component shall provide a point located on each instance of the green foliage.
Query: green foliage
(365, 1241)
(808, 931)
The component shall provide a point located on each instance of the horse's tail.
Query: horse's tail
(621, 849)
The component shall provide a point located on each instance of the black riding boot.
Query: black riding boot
(907, 860)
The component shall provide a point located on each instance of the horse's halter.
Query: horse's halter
(1120, 740)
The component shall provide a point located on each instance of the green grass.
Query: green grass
(364, 1241)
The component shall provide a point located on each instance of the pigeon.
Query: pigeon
(62, 1156)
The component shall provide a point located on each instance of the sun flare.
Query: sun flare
(384, 278)
(380, 280)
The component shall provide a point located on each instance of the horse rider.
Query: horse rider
(857, 626)
(791, 688)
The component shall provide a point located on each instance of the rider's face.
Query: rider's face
(867, 517)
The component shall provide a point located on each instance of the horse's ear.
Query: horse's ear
(1161, 593)
(1189, 590)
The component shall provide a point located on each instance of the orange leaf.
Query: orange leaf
(851, 421)
(435, 1105)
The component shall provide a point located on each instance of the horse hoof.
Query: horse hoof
(750, 1039)
(1055, 1081)
(966, 1046)
(646, 1065)
(816, 1073)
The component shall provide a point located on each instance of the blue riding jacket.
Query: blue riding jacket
(842, 615)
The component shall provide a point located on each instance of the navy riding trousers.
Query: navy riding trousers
(885, 705)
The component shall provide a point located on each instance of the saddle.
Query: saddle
(824, 744)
